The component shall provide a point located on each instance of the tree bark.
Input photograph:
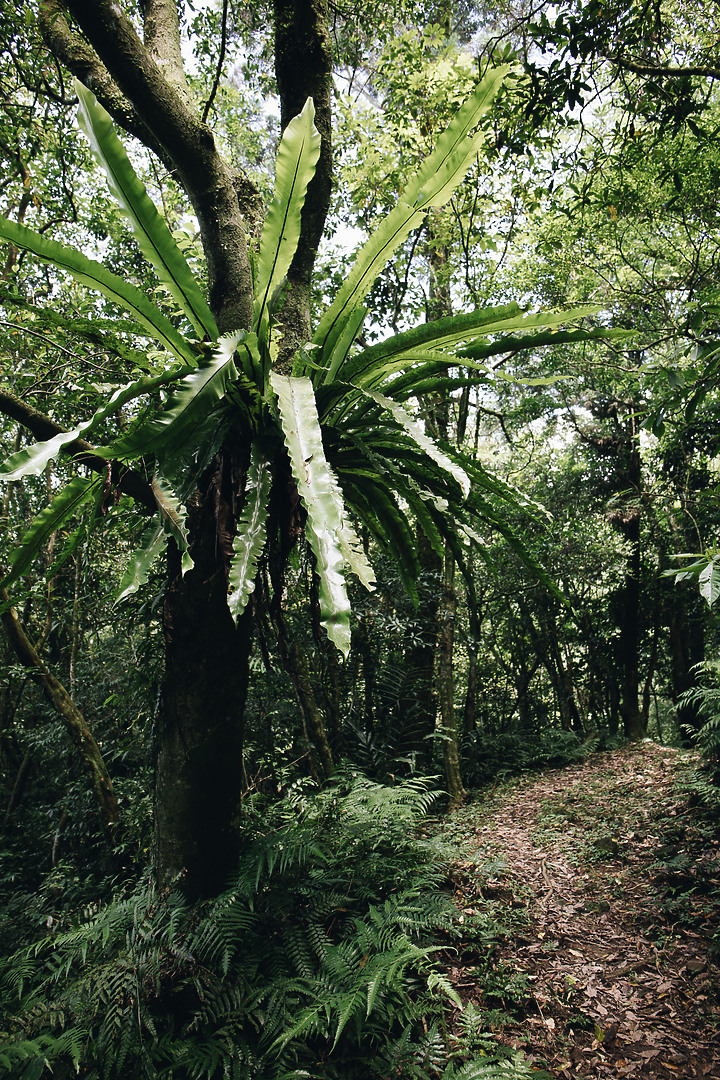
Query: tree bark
(199, 772)
(303, 70)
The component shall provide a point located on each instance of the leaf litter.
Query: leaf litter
(608, 880)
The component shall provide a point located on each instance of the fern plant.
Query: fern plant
(706, 696)
(323, 959)
(315, 961)
(512, 1068)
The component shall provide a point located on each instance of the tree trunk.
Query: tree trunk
(634, 723)
(419, 706)
(547, 644)
(199, 773)
(439, 304)
(446, 684)
(295, 661)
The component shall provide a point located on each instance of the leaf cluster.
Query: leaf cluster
(343, 418)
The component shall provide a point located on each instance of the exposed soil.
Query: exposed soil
(610, 881)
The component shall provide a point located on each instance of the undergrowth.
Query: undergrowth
(704, 782)
(492, 757)
(317, 962)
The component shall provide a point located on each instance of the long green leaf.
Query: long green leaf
(414, 429)
(342, 342)
(94, 275)
(253, 363)
(483, 480)
(172, 522)
(66, 503)
(433, 185)
(31, 460)
(173, 515)
(416, 481)
(151, 231)
(196, 394)
(318, 491)
(354, 555)
(445, 168)
(372, 364)
(139, 565)
(538, 339)
(251, 532)
(294, 169)
(438, 334)
(376, 507)
(350, 545)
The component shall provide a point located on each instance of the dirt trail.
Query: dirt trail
(616, 969)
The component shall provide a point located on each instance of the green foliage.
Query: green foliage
(297, 158)
(150, 229)
(442, 171)
(317, 961)
(705, 696)
(494, 756)
(513, 1068)
(706, 570)
(343, 416)
(94, 275)
(322, 498)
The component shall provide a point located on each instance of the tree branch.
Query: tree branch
(663, 72)
(303, 70)
(220, 62)
(70, 715)
(162, 38)
(129, 482)
(187, 143)
(82, 61)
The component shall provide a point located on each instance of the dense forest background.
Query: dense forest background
(532, 494)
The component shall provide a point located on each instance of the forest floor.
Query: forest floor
(603, 886)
